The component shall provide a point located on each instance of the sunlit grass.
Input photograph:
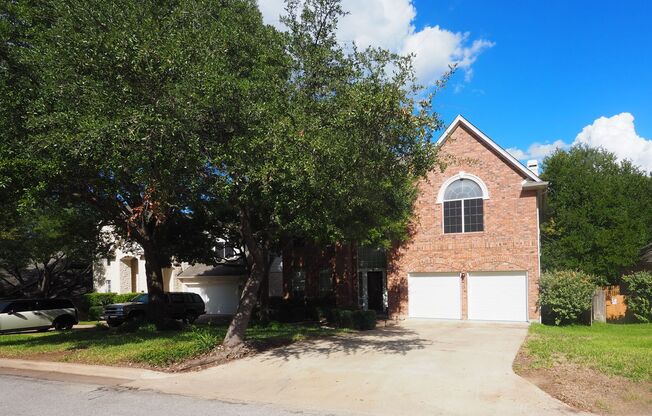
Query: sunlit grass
(144, 346)
(618, 349)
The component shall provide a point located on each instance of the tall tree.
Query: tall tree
(338, 159)
(128, 95)
(598, 214)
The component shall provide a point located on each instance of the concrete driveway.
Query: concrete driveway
(417, 367)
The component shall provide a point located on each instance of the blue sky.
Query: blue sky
(533, 75)
(555, 67)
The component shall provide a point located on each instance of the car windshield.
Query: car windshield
(3, 305)
(141, 298)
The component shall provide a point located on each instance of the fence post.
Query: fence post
(598, 306)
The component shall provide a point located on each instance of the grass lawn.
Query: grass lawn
(614, 349)
(144, 346)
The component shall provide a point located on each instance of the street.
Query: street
(32, 397)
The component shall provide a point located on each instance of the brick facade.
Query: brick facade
(340, 259)
(509, 242)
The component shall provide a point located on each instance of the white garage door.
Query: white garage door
(434, 295)
(497, 296)
(220, 298)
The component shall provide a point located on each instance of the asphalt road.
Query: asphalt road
(22, 396)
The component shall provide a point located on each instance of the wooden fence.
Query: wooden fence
(609, 305)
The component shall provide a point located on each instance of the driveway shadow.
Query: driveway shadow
(387, 340)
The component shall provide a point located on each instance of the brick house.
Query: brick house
(473, 251)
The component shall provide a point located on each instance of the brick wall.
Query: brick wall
(509, 241)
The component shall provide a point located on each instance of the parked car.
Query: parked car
(177, 305)
(39, 314)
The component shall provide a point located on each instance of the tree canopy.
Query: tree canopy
(340, 158)
(131, 100)
(181, 121)
(597, 215)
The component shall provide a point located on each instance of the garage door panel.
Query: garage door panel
(497, 296)
(220, 298)
(434, 295)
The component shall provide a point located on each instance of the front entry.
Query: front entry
(375, 291)
(372, 289)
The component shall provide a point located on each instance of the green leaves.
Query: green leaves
(639, 295)
(565, 295)
(597, 216)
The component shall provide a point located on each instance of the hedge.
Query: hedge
(354, 319)
(299, 310)
(91, 304)
(565, 296)
(638, 287)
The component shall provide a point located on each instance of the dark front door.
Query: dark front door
(375, 290)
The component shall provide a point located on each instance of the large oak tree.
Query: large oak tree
(127, 95)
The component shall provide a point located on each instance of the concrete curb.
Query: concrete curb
(85, 370)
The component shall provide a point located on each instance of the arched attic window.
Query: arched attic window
(463, 206)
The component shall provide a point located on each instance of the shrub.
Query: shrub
(94, 313)
(354, 319)
(345, 319)
(638, 288)
(566, 295)
(95, 300)
(367, 320)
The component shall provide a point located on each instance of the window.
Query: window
(463, 207)
(298, 283)
(176, 298)
(325, 282)
(108, 286)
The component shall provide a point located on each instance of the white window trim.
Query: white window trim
(462, 175)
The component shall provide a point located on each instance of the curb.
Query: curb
(84, 370)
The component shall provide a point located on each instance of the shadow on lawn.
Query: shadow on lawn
(82, 338)
(388, 340)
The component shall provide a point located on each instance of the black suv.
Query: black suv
(178, 305)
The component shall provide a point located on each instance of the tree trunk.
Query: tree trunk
(257, 257)
(154, 276)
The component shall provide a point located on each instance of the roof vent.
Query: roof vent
(533, 165)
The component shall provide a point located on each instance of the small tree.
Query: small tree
(565, 295)
(638, 287)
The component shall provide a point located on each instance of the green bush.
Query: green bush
(366, 320)
(638, 288)
(566, 295)
(354, 319)
(90, 303)
(94, 313)
(90, 300)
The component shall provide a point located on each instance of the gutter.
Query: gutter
(535, 185)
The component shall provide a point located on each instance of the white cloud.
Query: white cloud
(616, 134)
(390, 24)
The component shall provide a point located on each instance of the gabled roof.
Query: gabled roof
(459, 120)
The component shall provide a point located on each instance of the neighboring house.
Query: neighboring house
(219, 286)
(473, 251)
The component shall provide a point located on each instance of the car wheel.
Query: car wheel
(62, 324)
(113, 322)
(191, 317)
(136, 317)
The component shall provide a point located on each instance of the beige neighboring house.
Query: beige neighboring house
(219, 286)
